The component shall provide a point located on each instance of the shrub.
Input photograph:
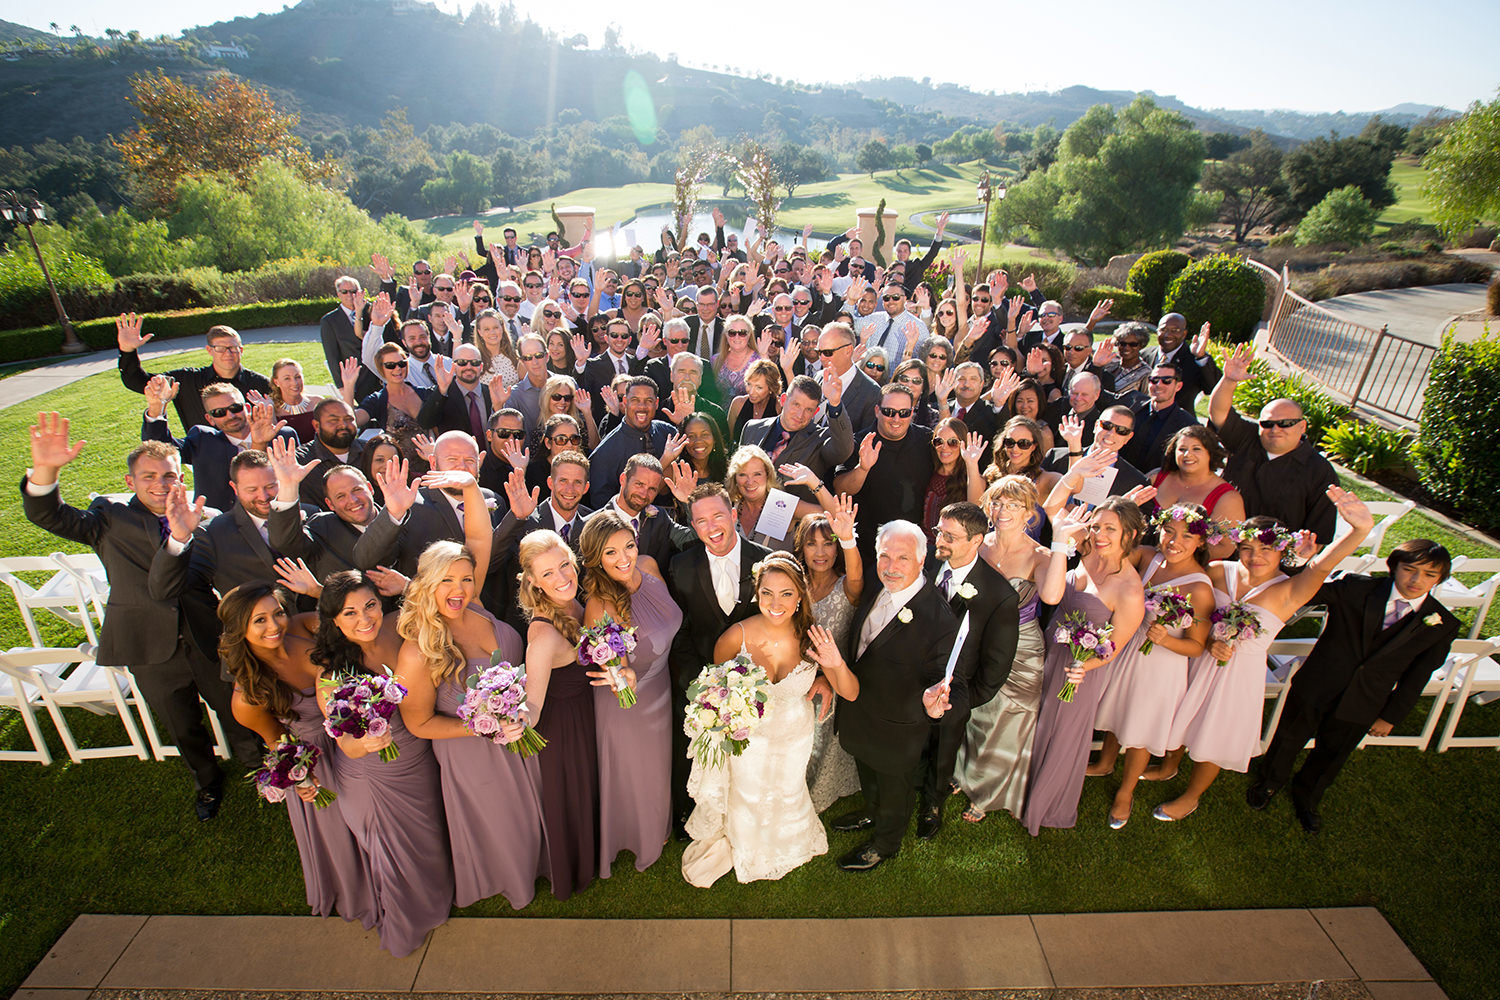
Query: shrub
(1364, 276)
(24, 299)
(1457, 452)
(1128, 305)
(1321, 410)
(1053, 277)
(1344, 216)
(1221, 290)
(1150, 276)
(1366, 447)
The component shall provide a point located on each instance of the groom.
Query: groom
(902, 635)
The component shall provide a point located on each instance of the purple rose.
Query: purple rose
(379, 727)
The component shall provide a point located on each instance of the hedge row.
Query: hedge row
(99, 334)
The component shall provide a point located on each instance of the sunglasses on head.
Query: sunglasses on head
(566, 439)
(223, 411)
(1106, 425)
(391, 366)
(895, 414)
(467, 363)
(1283, 423)
(508, 435)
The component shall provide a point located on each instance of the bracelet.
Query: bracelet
(1066, 548)
(1075, 454)
(851, 543)
(818, 487)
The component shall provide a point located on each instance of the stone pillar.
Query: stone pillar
(576, 220)
(867, 232)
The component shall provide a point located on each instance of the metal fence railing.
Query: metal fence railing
(1367, 368)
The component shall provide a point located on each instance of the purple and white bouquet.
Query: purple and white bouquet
(288, 765)
(605, 646)
(725, 704)
(1167, 607)
(361, 705)
(497, 696)
(1234, 622)
(1085, 640)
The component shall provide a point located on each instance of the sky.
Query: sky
(1305, 55)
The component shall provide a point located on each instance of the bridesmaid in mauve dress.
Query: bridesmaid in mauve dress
(395, 807)
(560, 699)
(1106, 589)
(273, 696)
(634, 744)
(491, 796)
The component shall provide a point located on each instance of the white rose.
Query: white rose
(966, 591)
(904, 616)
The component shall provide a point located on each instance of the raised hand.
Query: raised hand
(160, 390)
(977, 326)
(681, 480)
(454, 479)
(1237, 363)
(522, 502)
(289, 472)
(973, 448)
(1104, 353)
(413, 295)
(673, 448)
(842, 516)
(650, 337)
(1140, 495)
(582, 400)
(684, 401)
(398, 492)
(806, 233)
(381, 310)
(945, 383)
(381, 265)
(825, 649)
(1200, 342)
(1095, 462)
(1036, 361)
(1071, 430)
(1352, 509)
(499, 392)
(718, 219)
(128, 332)
(263, 424)
(797, 474)
(942, 227)
(1101, 309)
(924, 298)
(478, 227)
(183, 515)
(611, 399)
(359, 300)
(665, 303)
(580, 346)
(764, 342)
(833, 387)
(1070, 526)
(1013, 309)
(869, 451)
(857, 286)
(514, 455)
(442, 372)
(294, 575)
(463, 294)
(999, 283)
(388, 583)
(423, 444)
(1005, 386)
(1028, 283)
(1304, 546)
(348, 375)
(935, 699)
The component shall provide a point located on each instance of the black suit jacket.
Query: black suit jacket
(324, 540)
(189, 401)
(703, 621)
(599, 372)
(716, 334)
(821, 446)
(1291, 488)
(660, 371)
(1127, 476)
(989, 650)
(1196, 378)
(1361, 671)
(209, 452)
(886, 727)
(659, 534)
(1146, 449)
(339, 342)
(311, 490)
(224, 553)
(142, 621)
(431, 519)
(448, 411)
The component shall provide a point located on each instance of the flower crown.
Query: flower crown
(1211, 531)
(1276, 536)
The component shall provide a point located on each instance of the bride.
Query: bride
(753, 812)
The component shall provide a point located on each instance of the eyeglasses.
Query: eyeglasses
(1161, 380)
(467, 363)
(1105, 425)
(219, 412)
(566, 439)
(1021, 444)
(348, 291)
(509, 298)
(231, 349)
(633, 295)
(391, 366)
(552, 314)
(534, 356)
(1283, 423)
(1010, 506)
(507, 435)
(895, 414)
(946, 442)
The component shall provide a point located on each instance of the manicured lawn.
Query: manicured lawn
(1411, 205)
(1410, 833)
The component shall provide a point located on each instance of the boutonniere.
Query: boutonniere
(966, 591)
(904, 616)
(650, 510)
(491, 503)
(1433, 619)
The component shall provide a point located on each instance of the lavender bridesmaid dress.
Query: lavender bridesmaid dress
(334, 868)
(635, 744)
(395, 809)
(492, 797)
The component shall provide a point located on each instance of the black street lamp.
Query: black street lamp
(986, 192)
(24, 208)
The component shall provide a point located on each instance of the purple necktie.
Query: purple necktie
(166, 529)
(945, 581)
(1397, 610)
(476, 422)
(565, 529)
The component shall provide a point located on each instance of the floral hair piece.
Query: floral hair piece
(1212, 532)
(1276, 536)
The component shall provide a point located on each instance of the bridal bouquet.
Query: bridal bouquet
(1169, 608)
(361, 705)
(725, 705)
(289, 765)
(496, 696)
(1085, 640)
(606, 645)
(1234, 622)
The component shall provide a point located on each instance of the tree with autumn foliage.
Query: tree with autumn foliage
(228, 128)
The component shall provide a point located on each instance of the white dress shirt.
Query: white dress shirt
(887, 606)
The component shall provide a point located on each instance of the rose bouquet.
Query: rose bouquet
(1085, 640)
(1234, 622)
(289, 765)
(496, 696)
(725, 705)
(1167, 607)
(361, 705)
(605, 646)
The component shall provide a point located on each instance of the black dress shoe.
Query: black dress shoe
(853, 822)
(679, 830)
(206, 804)
(929, 822)
(1308, 817)
(1258, 796)
(861, 859)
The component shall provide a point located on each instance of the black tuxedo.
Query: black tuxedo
(715, 335)
(1106, 378)
(1196, 378)
(690, 581)
(1357, 672)
(982, 667)
(886, 727)
(1059, 408)
(431, 519)
(209, 452)
(336, 331)
(822, 445)
(1127, 476)
(323, 540)
(311, 491)
(599, 371)
(145, 625)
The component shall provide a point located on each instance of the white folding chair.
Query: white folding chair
(162, 750)
(1481, 596)
(1387, 513)
(88, 685)
(1438, 687)
(21, 691)
(1346, 566)
(1477, 672)
(1283, 658)
(93, 583)
(58, 594)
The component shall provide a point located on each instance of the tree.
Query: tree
(1327, 164)
(924, 153)
(1122, 181)
(1345, 216)
(1389, 137)
(1250, 184)
(1463, 171)
(229, 128)
(875, 155)
(465, 189)
(1219, 145)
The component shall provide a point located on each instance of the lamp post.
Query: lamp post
(985, 192)
(24, 208)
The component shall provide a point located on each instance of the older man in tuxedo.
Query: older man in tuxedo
(144, 626)
(902, 635)
(1383, 639)
(796, 435)
(336, 330)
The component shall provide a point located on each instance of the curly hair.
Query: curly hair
(1217, 453)
(597, 531)
(791, 566)
(1019, 489)
(258, 684)
(533, 600)
(1132, 525)
(422, 622)
(333, 651)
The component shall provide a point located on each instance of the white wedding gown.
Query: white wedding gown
(753, 813)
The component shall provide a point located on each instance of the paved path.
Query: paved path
(1351, 951)
(1417, 313)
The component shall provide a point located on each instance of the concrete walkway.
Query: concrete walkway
(1353, 951)
(1419, 314)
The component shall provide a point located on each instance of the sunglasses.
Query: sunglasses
(802, 302)
(536, 356)
(552, 314)
(467, 363)
(614, 335)
(892, 298)
(219, 412)
(1048, 315)
(1022, 444)
(736, 333)
(633, 295)
(508, 298)
(781, 309)
(828, 352)
(677, 340)
(895, 414)
(348, 291)
(391, 366)
(982, 300)
(1002, 363)
(486, 298)
(416, 272)
(1106, 425)
(946, 442)
(442, 288)
(532, 285)
(1161, 380)
(1129, 343)
(581, 293)
(1283, 423)
(506, 435)
(937, 356)
(558, 397)
(874, 366)
(1077, 348)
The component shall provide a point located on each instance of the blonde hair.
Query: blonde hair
(1017, 488)
(533, 600)
(421, 622)
(743, 456)
(561, 383)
